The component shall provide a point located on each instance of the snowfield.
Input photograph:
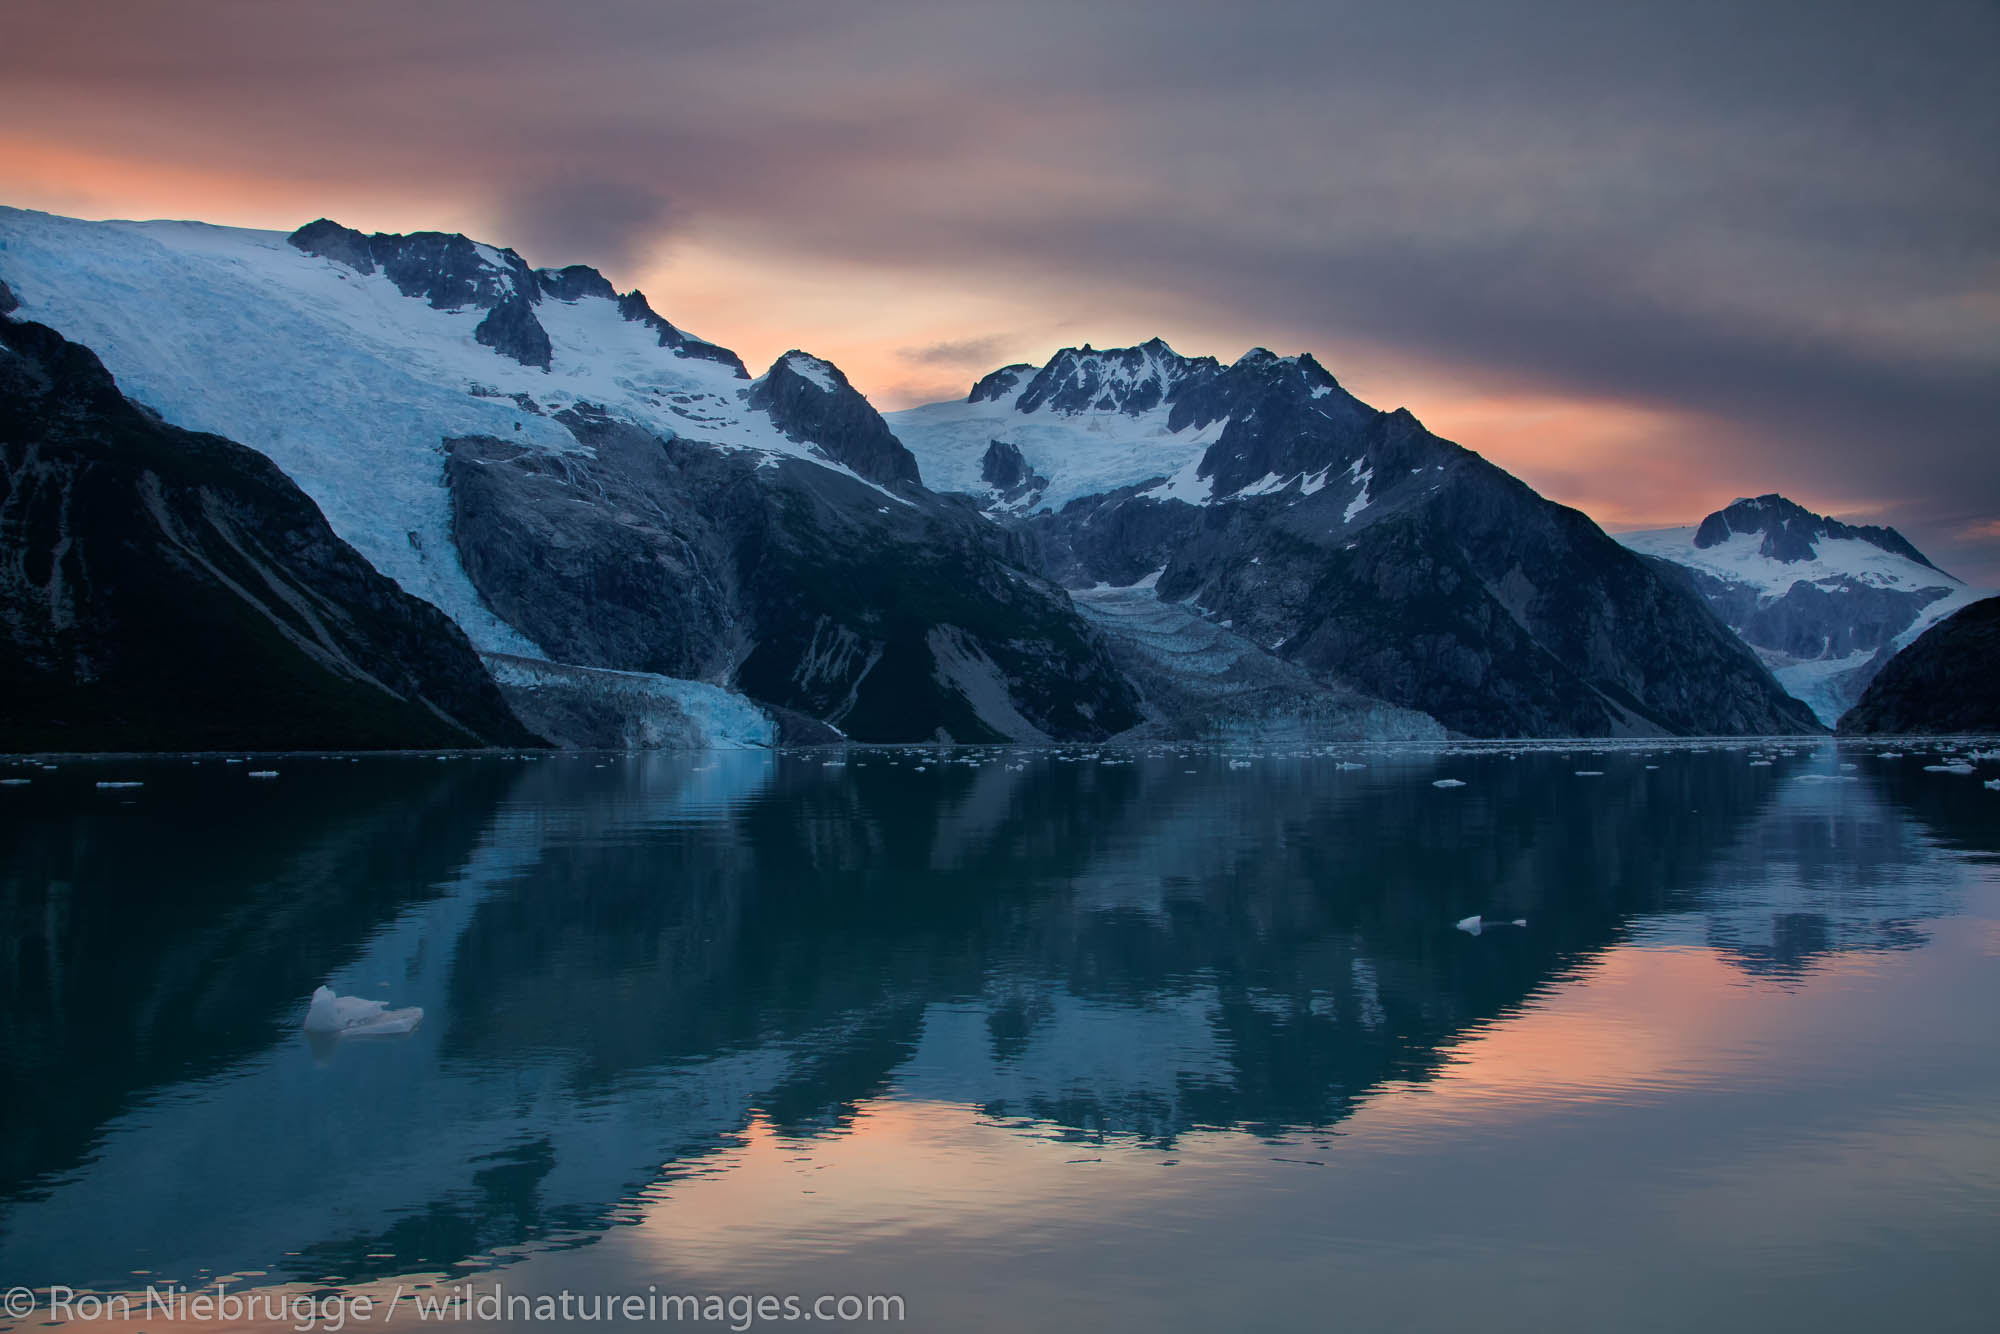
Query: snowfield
(1082, 453)
(348, 385)
(1739, 561)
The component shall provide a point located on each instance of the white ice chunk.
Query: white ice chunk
(1475, 924)
(353, 1016)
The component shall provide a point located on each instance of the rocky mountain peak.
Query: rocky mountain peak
(812, 402)
(1001, 383)
(448, 269)
(575, 282)
(1128, 380)
(452, 271)
(1792, 532)
(1004, 469)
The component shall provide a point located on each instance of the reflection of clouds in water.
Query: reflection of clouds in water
(638, 962)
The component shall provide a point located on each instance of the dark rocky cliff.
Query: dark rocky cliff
(1947, 681)
(891, 618)
(165, 590)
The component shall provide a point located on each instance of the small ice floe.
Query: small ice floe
(1890, 755)
(130, 782)
(1828, 778)
(263, 773)
(1475, 924)
(1448, 782)
(15, 782)
(1993, 783)
(354, 1017)
(1760, 764)
(1652, 766)
(1239, 764)
(1928, 768)
(1349, 764)
(1590, 773)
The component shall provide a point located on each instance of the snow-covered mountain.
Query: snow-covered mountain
(1088, 422)
(648, 544)
(570, 477)
(1348, 542)
(1825, 604)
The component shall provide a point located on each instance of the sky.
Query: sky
(1648, 256)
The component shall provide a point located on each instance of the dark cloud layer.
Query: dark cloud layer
(615, 225)
(1780, 220)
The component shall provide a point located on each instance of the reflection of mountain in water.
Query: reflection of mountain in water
(631, 960)
(150, 945)
(1830, 864)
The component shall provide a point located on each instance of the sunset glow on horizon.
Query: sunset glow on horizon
(1641, 306)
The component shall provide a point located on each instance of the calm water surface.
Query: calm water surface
(1119, 1040)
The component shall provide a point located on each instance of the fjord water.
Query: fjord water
(1169, 1039)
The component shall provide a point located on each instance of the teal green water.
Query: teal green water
(1172, 1039)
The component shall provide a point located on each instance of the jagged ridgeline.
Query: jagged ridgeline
(1341, 541)
(650, 546)
(585, 488)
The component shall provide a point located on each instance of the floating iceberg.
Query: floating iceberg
(1475, 924)
(1448, 782)
(351, 1016)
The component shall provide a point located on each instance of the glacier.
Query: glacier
(1824, 604)
(352, 387)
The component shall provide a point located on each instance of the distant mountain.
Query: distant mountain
(1824, 603)
(1343, 541)
(1947, 682)
(165, 590)
(580, 484)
